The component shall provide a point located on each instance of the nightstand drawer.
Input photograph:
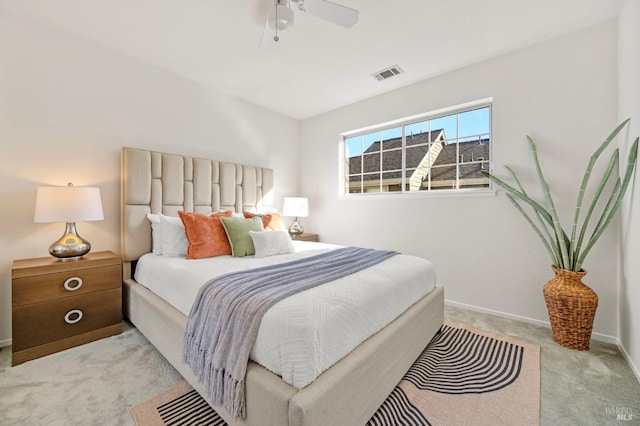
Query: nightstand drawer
(41, 323)
(47, 287)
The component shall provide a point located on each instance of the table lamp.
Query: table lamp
(295, 207)
(68, 204)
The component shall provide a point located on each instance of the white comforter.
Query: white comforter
(303, 335)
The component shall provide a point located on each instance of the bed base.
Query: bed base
(348, 393)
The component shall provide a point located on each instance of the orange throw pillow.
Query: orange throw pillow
(205, 234)
(270, 221)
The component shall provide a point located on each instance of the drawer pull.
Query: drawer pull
(68, 315)
(68, 283)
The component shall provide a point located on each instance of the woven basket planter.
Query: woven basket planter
(572, 308)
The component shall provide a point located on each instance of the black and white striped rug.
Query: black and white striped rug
(465, 376)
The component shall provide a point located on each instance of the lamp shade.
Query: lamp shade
(68, 204)
(295, 207)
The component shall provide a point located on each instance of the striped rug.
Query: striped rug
(465, 376)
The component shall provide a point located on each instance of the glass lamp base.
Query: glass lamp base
(295, 228)
(70, 246)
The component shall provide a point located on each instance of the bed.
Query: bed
(347, 393)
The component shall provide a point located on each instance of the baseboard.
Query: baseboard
(634, 368)
(5, 343)
(596, 336)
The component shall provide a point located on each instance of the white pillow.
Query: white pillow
(173, 240)
(271, 243)
(155, 233)
(233, 214)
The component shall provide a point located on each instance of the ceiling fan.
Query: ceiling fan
(280, 17)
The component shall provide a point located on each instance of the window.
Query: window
(442, 150)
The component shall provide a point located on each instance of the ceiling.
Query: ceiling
(317, 66)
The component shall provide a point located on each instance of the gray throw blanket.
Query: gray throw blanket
(225, 318)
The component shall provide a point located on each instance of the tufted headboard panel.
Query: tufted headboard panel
(155, 182)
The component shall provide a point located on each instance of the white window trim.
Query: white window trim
(441, 193)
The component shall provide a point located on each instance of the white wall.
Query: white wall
(561, 92)
(66, 109)
(629, 106)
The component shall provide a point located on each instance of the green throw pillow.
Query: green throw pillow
(238, 233)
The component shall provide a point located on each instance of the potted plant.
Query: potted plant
(570, 303)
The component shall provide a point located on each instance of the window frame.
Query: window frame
(343, 192)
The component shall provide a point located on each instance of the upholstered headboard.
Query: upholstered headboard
(155, 182)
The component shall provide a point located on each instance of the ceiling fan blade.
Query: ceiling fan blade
(332, 12)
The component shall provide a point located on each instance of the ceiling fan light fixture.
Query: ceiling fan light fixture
(280, 17)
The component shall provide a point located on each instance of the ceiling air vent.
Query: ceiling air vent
(387, 73)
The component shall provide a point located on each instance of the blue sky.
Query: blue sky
(469, 124)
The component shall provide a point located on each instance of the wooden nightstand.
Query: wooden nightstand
(305, 237)
(57, 305)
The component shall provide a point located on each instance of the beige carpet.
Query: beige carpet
(464, 377)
